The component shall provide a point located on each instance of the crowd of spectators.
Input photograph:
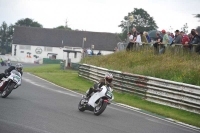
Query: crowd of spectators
(164, 40)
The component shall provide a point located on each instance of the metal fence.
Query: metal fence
(170, 93)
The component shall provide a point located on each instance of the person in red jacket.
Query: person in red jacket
(185, 39)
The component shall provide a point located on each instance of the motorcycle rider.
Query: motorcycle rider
(18, 67)
(107, 80)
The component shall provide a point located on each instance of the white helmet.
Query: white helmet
(109, 77)
(19, 67)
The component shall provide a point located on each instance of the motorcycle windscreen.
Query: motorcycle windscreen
(96, 96)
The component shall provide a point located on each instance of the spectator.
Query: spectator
(157, 42)
(164, 42)
(143, 38)
(195, 40)
(130, 44)
(170, 38)
(99, 53)
(138, 39)
(1, 61)
(8, 62)
(178, 37)
(89, 51)
(172, 35)
(185, 39)
(134, 34)
(147, 36)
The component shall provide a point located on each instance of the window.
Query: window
(48, 49)
(25, 47)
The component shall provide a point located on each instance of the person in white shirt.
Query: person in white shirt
(89, 51)
(138, 39)
(130, 44)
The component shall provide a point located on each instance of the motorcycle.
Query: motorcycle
(98, 101)
(10, 83)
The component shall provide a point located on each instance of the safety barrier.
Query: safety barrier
(166, 92)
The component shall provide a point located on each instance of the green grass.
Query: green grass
(183, 67)
(70, 79)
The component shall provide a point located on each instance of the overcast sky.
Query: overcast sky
(99, 15)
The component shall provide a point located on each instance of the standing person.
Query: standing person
(138, 40)
(164, 42)
(185, 39)
(147, 36)
(143, 38)
(1, 60)
(8, 62)
(195, 40)
(134, 34)
(157, 42)
(178, 37)
(172, 35)
(170, 38)
(130, 44)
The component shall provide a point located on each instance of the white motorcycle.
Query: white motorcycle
(10, 83)
(98, 101)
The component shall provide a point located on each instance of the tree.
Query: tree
(28, 22)
(142, 21)
(66, 27)
(197, 16)
(185, 28)
(6, 35)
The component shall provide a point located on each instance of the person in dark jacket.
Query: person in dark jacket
(17, 67)
(104, 81)
(194, 40)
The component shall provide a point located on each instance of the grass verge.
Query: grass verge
(70, 80)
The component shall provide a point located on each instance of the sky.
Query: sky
(100, 15)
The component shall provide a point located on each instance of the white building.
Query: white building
(32, 44)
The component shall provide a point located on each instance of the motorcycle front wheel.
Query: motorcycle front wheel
(100, 108)
(7, 90)
(81, 106)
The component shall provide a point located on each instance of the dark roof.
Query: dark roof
(53, 38)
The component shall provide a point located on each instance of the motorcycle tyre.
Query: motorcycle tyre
(8, 90)
(81, 107)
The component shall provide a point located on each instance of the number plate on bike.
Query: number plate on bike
(109, 94)
(16, 78)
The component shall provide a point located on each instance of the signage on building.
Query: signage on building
(38, 50)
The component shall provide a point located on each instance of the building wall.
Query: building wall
(41, 51)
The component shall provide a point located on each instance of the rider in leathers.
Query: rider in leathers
(104, 81)
(18, 67)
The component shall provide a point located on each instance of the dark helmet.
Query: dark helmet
(19, 67)
(109, 77)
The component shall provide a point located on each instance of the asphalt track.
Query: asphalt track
(41, 107)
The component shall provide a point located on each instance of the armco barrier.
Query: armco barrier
(166, 92)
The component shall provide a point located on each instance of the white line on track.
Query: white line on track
(50, 89)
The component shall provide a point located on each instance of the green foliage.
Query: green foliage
(142, 22)
(6, 35)
(197, 16)
(28, 22)
(63, 27)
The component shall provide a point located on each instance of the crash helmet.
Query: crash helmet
(108, 77)
(19, 67)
